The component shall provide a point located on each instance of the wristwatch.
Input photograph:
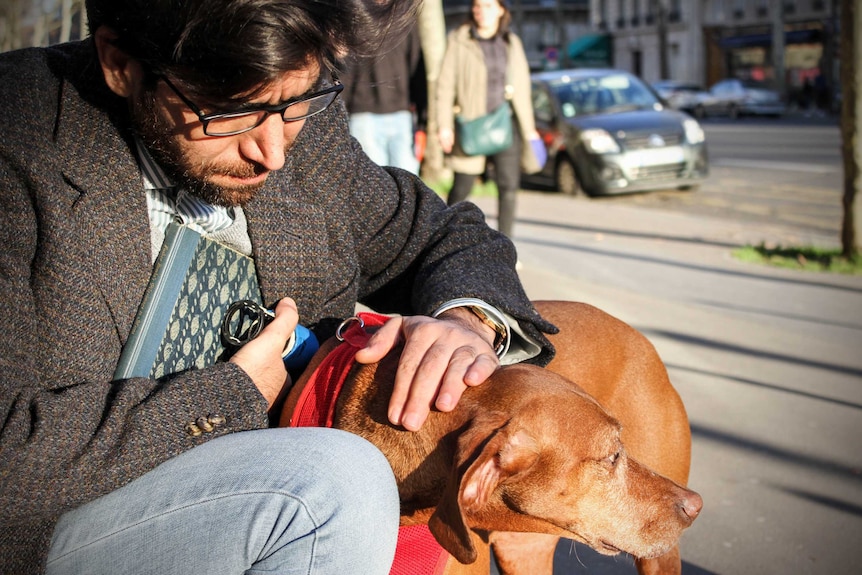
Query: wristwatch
(488, 315)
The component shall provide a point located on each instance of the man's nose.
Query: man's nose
(265, 144)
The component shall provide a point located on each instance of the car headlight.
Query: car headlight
(693, 132)
(598, 141)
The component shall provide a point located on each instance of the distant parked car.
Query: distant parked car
(736, 98)
(606, 132)
(680, 95)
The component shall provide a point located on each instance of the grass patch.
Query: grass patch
(486, 189)
(800, 258)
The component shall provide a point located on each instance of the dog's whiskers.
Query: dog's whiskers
(574, 548)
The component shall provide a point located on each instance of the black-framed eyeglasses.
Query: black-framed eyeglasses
(292, 110)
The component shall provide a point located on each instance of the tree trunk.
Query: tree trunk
(777, 11)
(66, 11)
(432, 35)
(851, 112)
(661, 28)
(10, 25)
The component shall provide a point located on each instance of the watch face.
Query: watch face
(500, 330)
(487, 314)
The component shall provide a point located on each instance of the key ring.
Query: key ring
(339, 333)
(243, 322)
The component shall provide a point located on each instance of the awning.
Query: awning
(790, 37)
(590, 50)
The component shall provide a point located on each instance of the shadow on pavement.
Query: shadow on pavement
(576, 559)
(629, 234)
(818, 464)
(818, 281)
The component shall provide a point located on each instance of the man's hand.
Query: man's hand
(441, 358)
(261, 358)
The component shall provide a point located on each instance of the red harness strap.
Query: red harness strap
(417, 553)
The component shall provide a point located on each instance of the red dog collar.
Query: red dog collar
(417, 553)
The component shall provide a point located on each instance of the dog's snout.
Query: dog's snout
(690, 506)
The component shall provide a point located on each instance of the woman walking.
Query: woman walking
(485, 67)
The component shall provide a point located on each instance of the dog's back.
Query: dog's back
(529, 450)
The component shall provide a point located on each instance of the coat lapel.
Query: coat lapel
(293, 233)
(111, 211)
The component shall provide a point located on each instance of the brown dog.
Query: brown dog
(529, 456)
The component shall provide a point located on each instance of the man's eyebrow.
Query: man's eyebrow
(253, 106)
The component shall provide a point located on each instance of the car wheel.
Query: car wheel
(567, 178)
(733, 112)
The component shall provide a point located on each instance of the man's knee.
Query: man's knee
(350, 473)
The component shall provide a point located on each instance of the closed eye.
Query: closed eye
(612, 460)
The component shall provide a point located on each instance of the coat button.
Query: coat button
(193, 430)
(216, 419)
(204, 424)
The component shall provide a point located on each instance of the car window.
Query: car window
(721, 88)
(542, 105)
(572, 97)
(614, 92)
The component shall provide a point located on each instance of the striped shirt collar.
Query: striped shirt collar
(166, 203)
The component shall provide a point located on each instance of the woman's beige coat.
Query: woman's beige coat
(462, 89)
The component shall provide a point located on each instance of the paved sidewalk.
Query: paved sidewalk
(767, 361)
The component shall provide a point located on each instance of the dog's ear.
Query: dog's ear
(488, 452)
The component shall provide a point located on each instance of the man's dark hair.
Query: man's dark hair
(220, 50)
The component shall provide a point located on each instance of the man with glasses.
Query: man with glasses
(222, 114)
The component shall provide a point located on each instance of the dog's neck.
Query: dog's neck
(426, 456)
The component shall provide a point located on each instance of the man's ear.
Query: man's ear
(121, 71)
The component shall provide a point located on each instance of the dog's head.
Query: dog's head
(541, 456)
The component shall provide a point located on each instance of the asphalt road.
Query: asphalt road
(764, 171)
(767, 361)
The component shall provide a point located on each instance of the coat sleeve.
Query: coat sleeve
(413, 252)
(69, 433)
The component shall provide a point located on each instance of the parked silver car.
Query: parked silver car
(734, 98)
(683, 96)
(607, 132)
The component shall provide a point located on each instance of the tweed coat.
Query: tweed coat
(462, 88)
(329, 229)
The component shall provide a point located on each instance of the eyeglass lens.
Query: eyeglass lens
(240, 122)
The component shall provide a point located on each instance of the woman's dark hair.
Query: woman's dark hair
(220, 50)
(505, 20)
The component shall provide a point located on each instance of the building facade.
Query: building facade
(546, 27)
(705, 41)
(697, 41)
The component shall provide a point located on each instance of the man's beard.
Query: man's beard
(155, 131)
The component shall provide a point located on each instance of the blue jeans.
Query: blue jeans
(296, 501)
(386, 138)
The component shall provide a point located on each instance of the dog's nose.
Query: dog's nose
(690, 506)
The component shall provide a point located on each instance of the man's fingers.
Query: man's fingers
(381, 342)
(440, 359)
(466, 369)
(437, 379)
(481, 369)
(415, 388)
(286, 316)
(261, 357)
